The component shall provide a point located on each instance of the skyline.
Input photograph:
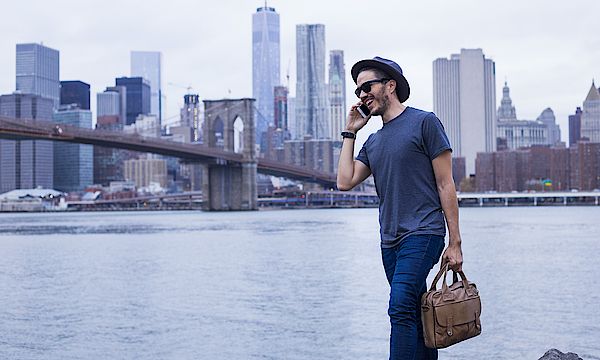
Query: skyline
(95, 43)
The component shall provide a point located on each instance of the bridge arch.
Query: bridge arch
(238, 135)
(216, 136)
(230, 127)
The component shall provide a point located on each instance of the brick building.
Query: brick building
(484, 169)
(540, 168)
(584, 163)
(459, 170)
(559, 169)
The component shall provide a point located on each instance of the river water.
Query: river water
(295, 284)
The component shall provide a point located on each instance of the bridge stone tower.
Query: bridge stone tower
(228, 185)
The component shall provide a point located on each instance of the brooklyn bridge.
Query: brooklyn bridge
(230, 178)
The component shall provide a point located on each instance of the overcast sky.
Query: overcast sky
(549, 51)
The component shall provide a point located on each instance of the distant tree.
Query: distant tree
(468, 184)
(534, 185)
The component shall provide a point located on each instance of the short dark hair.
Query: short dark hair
(377, 72)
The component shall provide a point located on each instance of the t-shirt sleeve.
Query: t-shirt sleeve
(362, 155)
(435, 140)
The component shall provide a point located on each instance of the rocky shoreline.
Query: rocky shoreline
(554, 354)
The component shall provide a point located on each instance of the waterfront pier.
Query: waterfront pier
(549, 198)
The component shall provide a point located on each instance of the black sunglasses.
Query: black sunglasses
(366, 86)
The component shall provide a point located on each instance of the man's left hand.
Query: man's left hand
(453, 256)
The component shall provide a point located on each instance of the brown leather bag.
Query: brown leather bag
(451, 314)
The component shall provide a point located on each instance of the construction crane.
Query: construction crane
(189, 88)
(178, 121)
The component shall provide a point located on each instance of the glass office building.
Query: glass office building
(75, 92)
(25, 164)
(265, 65)
(37, 71)
(312, 108)
(138, 97)
(148, 65)
(73, 163)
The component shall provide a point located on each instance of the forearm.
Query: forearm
(442, 166)
(346, 165)
(450, 207)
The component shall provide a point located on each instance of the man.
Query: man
(410, 159)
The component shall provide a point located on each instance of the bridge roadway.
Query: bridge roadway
(20, 129)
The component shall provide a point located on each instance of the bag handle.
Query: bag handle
(443, 271)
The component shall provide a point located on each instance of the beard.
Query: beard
(383, 102)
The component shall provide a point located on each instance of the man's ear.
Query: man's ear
(393, 85)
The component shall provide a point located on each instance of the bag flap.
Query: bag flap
(461, 312)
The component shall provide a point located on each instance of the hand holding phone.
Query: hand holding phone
(363, 110)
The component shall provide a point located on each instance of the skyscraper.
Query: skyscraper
(113, 101)
(75, 92)
(109, 162)
(112, 114)
(38, 71)
(73, 163)
(281, 108)
(26, 164)
(312, 112)
(148, 65)
(108, 103)
(590, 118)
(337, 93)
(291, 105)
(138, 97)
(575, 127)
(265, 64)
(280, 132)
(29, 162)
(464, 99)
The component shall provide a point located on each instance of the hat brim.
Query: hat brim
(402, 88)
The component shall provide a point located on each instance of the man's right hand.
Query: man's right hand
(354, 120)
(351, 172)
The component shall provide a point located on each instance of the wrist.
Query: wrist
(348, 135)
(454, 242)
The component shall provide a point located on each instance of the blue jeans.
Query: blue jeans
(406, 267)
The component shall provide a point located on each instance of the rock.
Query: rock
(554, 354)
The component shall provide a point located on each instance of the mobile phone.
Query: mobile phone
(364, 110)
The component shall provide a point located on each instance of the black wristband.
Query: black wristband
(348, 134)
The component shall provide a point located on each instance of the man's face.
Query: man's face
(377, 99)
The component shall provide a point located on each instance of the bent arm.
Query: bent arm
(350, 172)
(442, 168)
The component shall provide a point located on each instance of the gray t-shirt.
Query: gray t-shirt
(399, 156)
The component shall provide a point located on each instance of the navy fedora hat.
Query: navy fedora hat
(390, 67)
